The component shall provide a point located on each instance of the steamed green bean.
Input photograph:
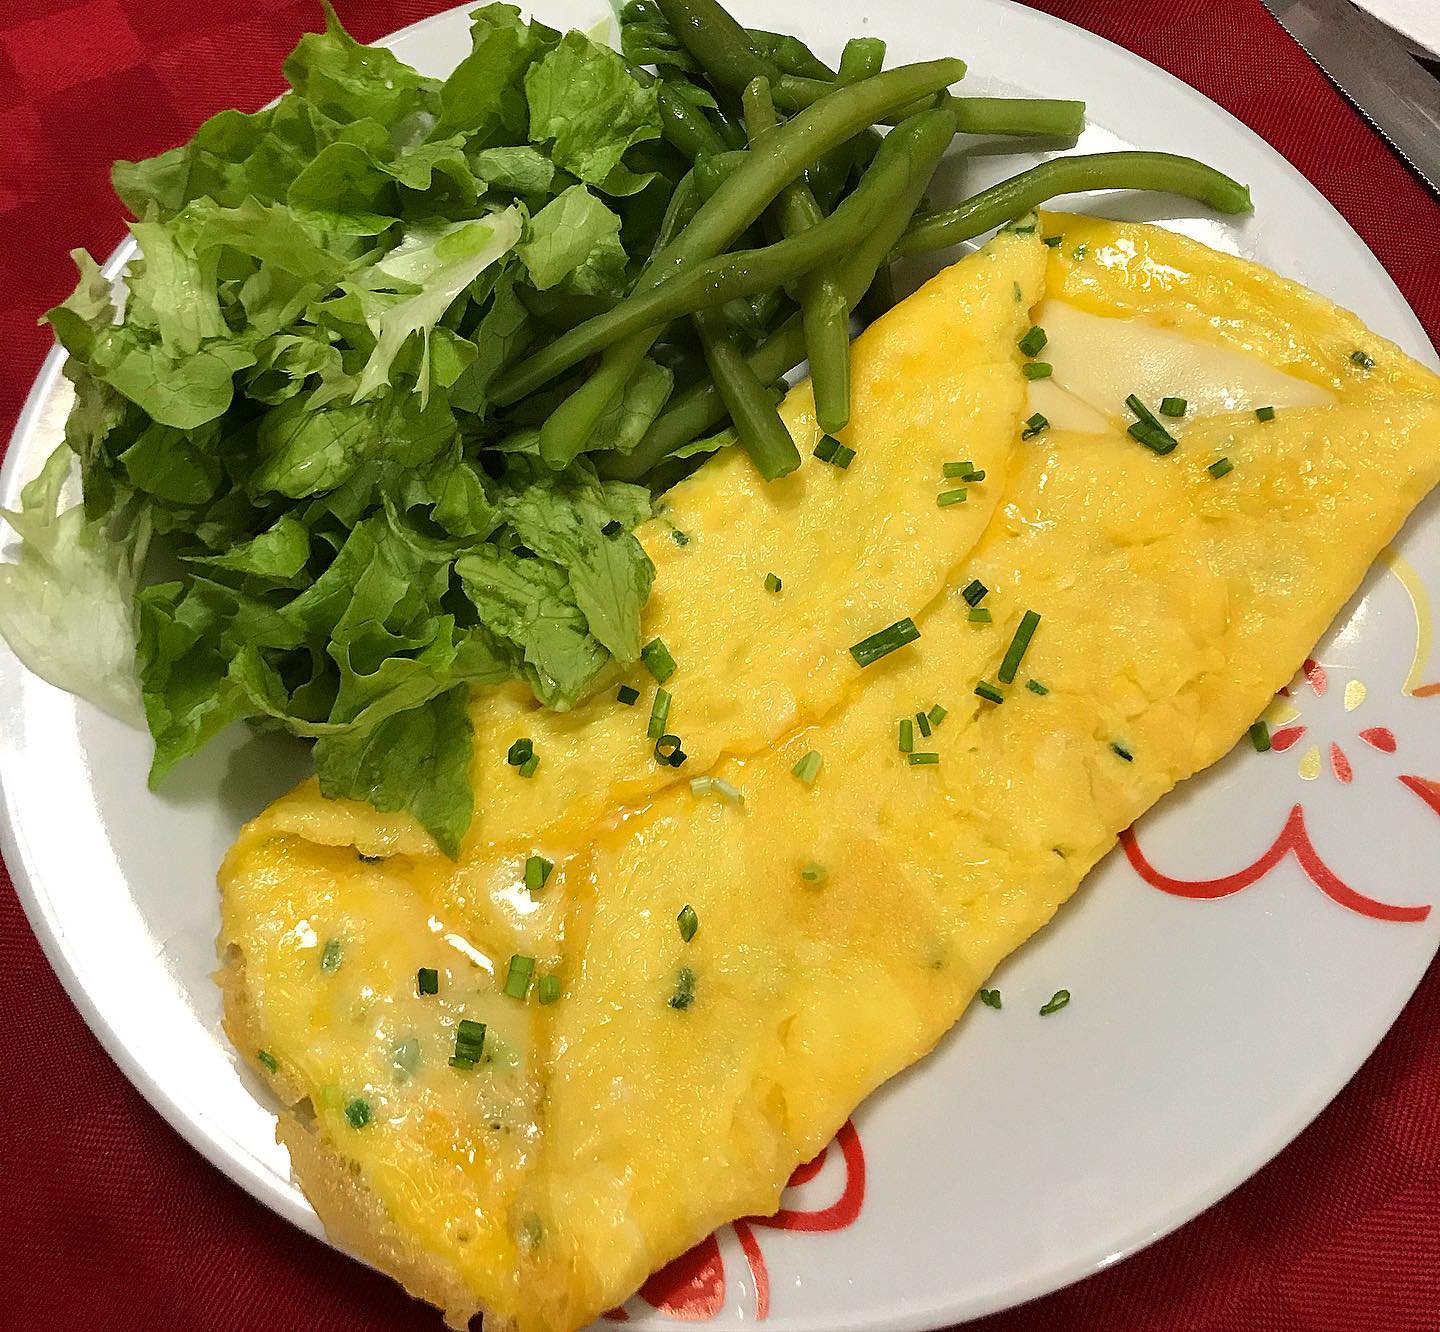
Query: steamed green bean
(823, 310)
(699, 408)
(757, 424)
(1162, 172)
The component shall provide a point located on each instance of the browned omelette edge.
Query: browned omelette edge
(354, 1218)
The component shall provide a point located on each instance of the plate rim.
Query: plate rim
(242, 1170)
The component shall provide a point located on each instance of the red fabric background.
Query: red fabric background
(111, 1221)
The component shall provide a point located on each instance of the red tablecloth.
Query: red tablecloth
(112, 1222)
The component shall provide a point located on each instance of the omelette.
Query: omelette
(523, 1080)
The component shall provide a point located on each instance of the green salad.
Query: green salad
(404, 363)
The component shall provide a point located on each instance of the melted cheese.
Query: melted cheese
(1100, 360)
(617, 1129)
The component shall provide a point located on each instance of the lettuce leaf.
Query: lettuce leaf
(417, 760)
(441, 263)
(572, 233)
(294, 399)
(585, 101)
(67, 603)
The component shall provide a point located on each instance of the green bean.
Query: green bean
(823, 310)
(734, 206)
(713, 171)
(696, 409)
(757, 423)
(714, 281)
(756, 182)
(1162, 172)
(640, 11)
(685, 126)
(789, 54)
(794, 93)
(862, 58)
(1049, 116)
(721, 46)
(684, 200)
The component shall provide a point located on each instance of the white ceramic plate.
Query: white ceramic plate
(1203, 1034)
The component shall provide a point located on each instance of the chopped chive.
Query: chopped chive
(680, 538)
(923, 722)
(358, 1113)
(907, 736)
(1147, 428)
(702, 786)
(457, 1062)
(628, 695)
(659, 714)
(974, 592)
(978, 475)
(684, 994)
(1024, 632)
(1033, 343)
(517, 979)
(527, 769)
(1363, 359)
(918, 760)
(1155, 438)
(989, 693)
(613, 528)
(427, 980)
(990, 998)
(1260, 736)
(1173, 406)
(1121, 752)
(667, 750)
(688, 922)
(1055, 1003)
(814, 872)
(537, 872)
(1080, 251)
(772, 583)
(1220, 467)
(938, 714)
(469, 1041)
(808, 768)
(1037, 370)
(832, 451)
(979, 615)
(658, 660)
(948, 497)
(331, 958)
(952, 470)
(869, 650)
(267, 1060)
(1034, 425)
(1264, 413)
(1035, 687)
(1054, 242)
(548, 990)
(520, 752)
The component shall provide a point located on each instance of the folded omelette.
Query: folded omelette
(1099, 617)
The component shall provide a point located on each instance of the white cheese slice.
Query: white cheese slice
(1099, 361)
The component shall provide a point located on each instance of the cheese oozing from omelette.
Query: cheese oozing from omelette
(675, 1085)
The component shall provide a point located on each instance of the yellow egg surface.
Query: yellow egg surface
(844, 923)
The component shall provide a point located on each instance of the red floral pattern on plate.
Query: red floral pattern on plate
(692, 1287)
(1294, 836)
